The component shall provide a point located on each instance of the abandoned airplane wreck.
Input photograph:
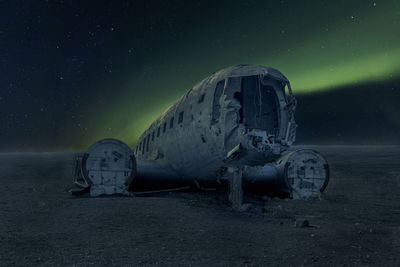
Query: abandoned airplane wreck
(235, 127)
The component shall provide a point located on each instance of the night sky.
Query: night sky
(73, 72)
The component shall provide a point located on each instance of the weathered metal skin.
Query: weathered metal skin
(299, 174)
(239, 116)
(236, 125)
(108, 167)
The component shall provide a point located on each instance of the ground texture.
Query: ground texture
(356, 223)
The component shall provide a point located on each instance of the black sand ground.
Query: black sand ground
(356, 223)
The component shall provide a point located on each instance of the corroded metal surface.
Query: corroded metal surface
(299, 174)
(108, 167)
(240, 118)
(250, 106)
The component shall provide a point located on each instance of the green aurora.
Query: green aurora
(317, 49)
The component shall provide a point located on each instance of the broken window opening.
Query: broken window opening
(285, 88)
(144, 142)
(171, 122)
(260, 105)
(216, 106)
(180, 119)
(152, 136)
(239, 97)
(158, 131)
(148, 141)
(201, 99)
(164, 127)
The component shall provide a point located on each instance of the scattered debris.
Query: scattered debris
(304, 223)
(301, 223)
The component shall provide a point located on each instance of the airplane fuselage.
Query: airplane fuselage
(244, 107)
(237, 125)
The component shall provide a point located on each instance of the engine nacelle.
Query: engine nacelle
(300, 174)
(108, 167)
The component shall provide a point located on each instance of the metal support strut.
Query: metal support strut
(235, 187)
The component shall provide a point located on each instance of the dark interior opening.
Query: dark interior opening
(216, 106)
(260, 105)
